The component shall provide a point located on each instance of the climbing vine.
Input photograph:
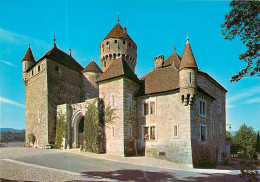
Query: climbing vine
(61, 130)
(91, 124)
(31, 138)
(96, 117)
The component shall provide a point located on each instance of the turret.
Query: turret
(188, 76)
(28, 61)
(118, 44)
(91, 73)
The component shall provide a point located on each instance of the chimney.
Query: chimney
(158, 61)
(124, 30)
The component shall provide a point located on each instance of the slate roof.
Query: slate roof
(92, 67)
(160, 80)
(188, 60)
(29, 55)
(173, 59)
(116, 32)
(118, 68)
(63, 58)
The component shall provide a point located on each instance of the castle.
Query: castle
(175, 112)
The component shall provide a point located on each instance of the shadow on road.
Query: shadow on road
(139, 175)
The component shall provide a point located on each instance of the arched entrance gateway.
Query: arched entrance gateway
(77, 129)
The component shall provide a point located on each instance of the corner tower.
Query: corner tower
(118, 44)
(188, 75)
(28, 61)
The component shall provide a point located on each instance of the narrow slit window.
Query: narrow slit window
(39, 68)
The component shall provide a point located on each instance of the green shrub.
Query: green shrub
(61, 130)
(31, 138)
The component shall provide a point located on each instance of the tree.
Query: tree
(243, 20)
(245, 139)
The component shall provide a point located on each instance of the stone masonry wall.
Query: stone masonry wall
(215, 122)
(107, 90)
(89, 85)
(130, 122)
(64, 86)
(36, 105)
(169, 111)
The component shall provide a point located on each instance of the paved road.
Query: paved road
(109, 169)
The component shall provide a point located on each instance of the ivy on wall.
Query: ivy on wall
(61, 130)
(31, 138)
(96, 117)
(91, 124)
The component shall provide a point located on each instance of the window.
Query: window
(130, 132)
(129, 44)
(219, 107)
(113, 100)
(202, 108)
(149, 132)
(190, 77)
(220, 128)
(203, 133)
(212, 128)
(152, 106)
(107, 42)
(175, 131)
(113, 132)
(123, 41)
(129, 101)
(57, 68)
(146, 109)
(102, 45)
(115, 41)
(39, 68)
(32, 72)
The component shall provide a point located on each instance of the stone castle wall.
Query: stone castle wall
(36, 105)
(215, 122)
(169, 112)
(89, 85)
(107, 90)
(64, 86)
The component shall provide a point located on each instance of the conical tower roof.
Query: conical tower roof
(118, 32)
(188, 60)
(92, 67)
(29, 55)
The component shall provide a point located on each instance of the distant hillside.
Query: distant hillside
(10, 129)
(12, 136)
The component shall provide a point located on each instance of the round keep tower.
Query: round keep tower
(118, 44)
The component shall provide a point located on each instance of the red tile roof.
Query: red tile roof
(29, 55)
(63, 58)
(160, 80)
(118, 68)
(92, 67)
(173, 59)
(116, 32)
(188, 60)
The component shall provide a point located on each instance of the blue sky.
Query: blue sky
(155, 26)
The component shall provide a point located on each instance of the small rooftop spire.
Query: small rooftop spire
(69, 51)
(174, 48)
(187, 38)
(29, 45)
(54, 41)
(118, 18)
(93, 60)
